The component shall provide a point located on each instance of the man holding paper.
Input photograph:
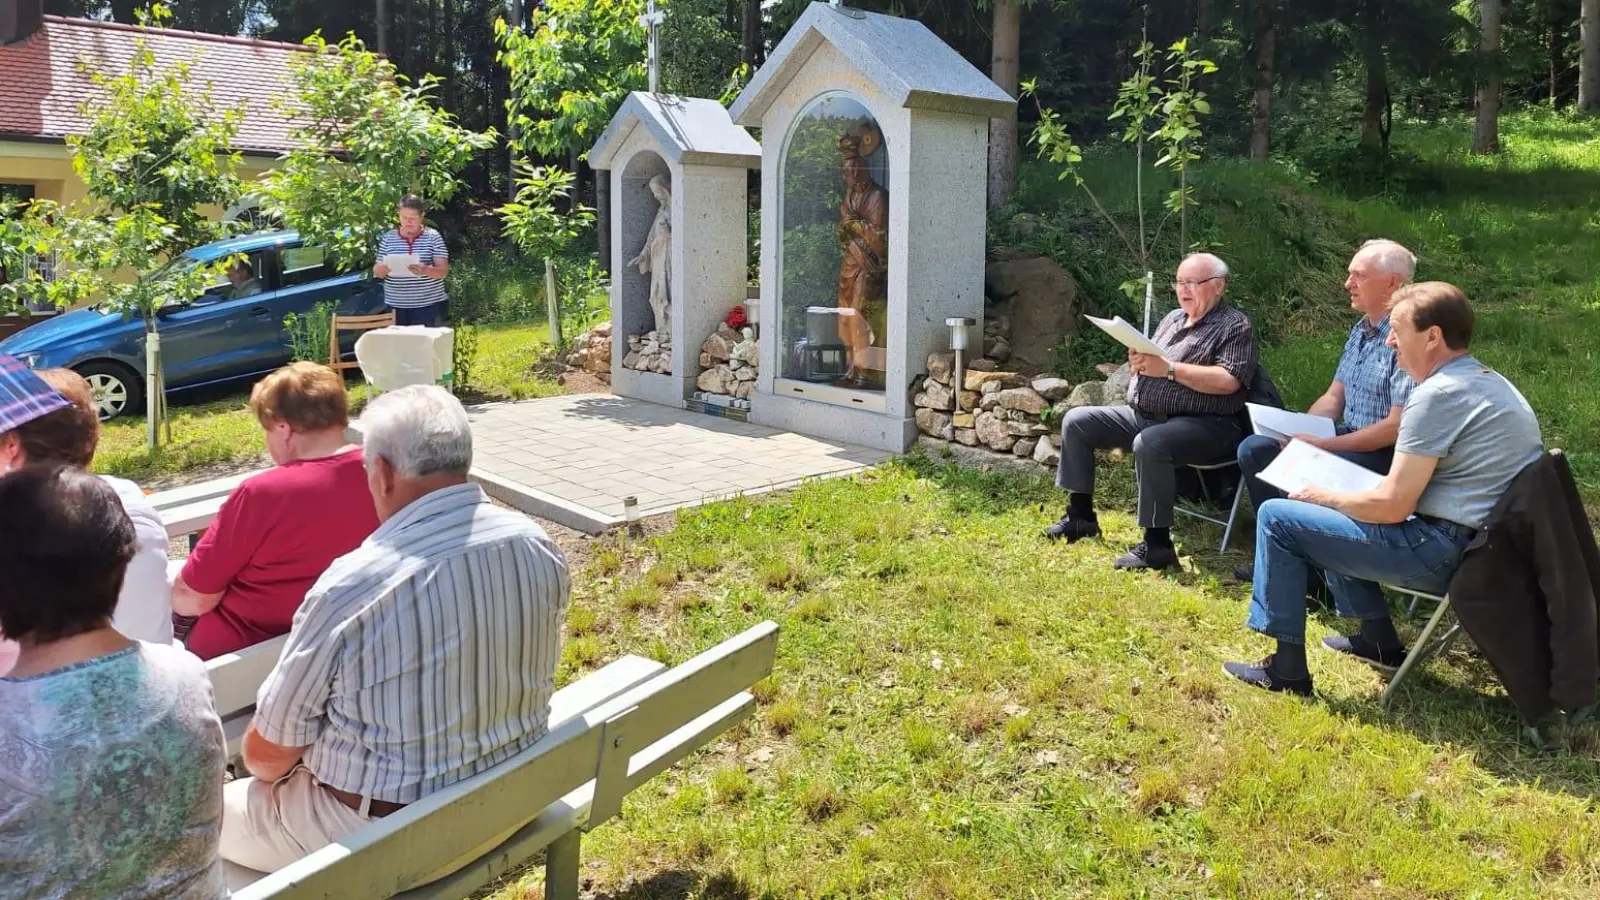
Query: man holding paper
(413, 262)
(1183, 407)
(1368, 390)
(1464, 435)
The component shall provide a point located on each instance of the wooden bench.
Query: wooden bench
(192, 508)
(609, 733)
(235, 679)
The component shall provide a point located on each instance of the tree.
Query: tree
(755, 50)
(1486, 136)
(536, 225)
(365, 137)
(1589, 61)
(1004, 68)
(1266, 50)
(1375, 122)
(156, 153)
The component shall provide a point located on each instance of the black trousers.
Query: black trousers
(1160, 444)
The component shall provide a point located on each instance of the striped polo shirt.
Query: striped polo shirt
(407, 291)
(426, 655)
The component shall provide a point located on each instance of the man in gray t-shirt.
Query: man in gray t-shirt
(1465, 433)
(1479, 428)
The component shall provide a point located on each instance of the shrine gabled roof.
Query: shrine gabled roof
(906, 60)
(689, 130)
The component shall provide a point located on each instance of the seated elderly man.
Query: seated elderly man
(1368, 388)
(424, 657)
(1465, 433)
(279, 530)
(1183, 408)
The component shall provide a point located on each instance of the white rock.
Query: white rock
(744, 389)
(631, 360)
(1025, 447)
(936, 424)
(1052, 389)
(745, 374)
(992, 431)
(1023, 399)
(1047, 453)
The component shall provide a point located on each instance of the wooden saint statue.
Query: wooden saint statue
(864, 236)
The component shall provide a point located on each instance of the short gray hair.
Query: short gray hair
(1219, 269)
(419, 430)
(1390, 256)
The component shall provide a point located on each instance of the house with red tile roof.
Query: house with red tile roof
(45, 66)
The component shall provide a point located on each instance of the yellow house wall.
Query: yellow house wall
(49, 169)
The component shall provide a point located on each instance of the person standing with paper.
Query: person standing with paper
(1183, 408)
(413, 262)
(1369, 388)
(1465, 433)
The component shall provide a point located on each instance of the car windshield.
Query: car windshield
(184, 260)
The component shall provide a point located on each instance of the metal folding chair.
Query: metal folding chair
(1206, 516)
(1422, 650)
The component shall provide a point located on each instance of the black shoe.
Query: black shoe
(1144, 556)
(1246, 573)
(1261, 675)
(1073, 530)
(1385, 661)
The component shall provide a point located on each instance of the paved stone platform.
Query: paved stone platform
(573, 459)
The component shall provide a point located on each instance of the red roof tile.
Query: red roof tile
(45, 83)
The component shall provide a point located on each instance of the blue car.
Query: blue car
(232, 331)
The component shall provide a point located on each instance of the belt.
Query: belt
(377, 809)
(1464, 532)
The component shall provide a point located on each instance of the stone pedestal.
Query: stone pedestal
(694, 145)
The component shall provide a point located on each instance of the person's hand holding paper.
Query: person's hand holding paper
(1150, 365)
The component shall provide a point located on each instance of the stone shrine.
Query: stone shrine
(679, 244)
(874, 160)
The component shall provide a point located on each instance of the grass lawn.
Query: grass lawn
(961, 710)
(217, 427)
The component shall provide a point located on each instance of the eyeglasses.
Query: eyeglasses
(1180, 285)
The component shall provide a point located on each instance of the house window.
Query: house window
(16, 193)
(13, 192)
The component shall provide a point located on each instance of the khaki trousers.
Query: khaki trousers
(268, 826)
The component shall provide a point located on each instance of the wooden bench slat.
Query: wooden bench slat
(414, 846)
(572, 811)
(190, 517)
(236, 677)
(204, 490)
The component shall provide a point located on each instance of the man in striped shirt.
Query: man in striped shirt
(422, 658)
(416, 294)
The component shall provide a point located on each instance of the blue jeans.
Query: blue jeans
(1258, 451)
(1293, 537)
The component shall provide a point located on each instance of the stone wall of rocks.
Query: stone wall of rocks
(649, 352)
(591, 352)
(730, 364)
(1005, 413)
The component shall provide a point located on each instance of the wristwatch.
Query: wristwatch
(1172, 371)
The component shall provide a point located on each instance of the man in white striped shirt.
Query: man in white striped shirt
(416, 294)
(424, 657)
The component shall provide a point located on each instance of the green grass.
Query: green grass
(982, 714)
(220, 429)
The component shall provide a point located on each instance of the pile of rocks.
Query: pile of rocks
(1002, 411)
(997, 339)
(592, 352)
(649, 352)
(730, 362)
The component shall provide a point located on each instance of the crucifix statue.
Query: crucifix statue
(651, 18)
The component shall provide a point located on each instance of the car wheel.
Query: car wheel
(116, 388)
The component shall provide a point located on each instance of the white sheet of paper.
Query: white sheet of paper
(400, 264)
(1301, 464)
(1281, 424)
(1127, 335)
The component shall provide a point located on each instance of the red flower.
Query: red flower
(736, 317)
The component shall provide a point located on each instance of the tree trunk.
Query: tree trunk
(1004, 69)
(1486, 137)
(431, 63)
(1266, 77)
(1373, 135)
(410, 38)
(380, 24)
(602, 217)
(450, 101)
(1553, 50)
(1589, 62)
(755, 50)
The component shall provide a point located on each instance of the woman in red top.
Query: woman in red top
(280, 530)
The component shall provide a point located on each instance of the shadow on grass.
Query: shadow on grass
(678, 884)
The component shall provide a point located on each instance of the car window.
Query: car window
(302, 265)
(245, 283)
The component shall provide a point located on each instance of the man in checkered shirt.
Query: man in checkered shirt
(1368, 389)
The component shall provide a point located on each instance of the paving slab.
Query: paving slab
(572, 459)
